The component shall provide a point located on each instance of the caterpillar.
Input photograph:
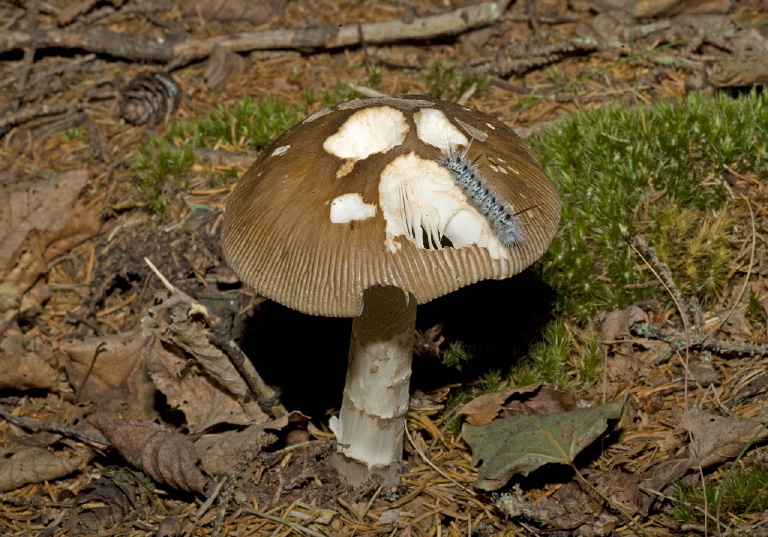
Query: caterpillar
(504, 222)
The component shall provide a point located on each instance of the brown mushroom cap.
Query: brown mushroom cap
(379, 192)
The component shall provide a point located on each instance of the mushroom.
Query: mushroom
(371, 207)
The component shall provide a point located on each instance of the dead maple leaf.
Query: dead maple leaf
(166, 456)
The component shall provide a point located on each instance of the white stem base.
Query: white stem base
(372, 419)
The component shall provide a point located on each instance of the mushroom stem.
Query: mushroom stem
(372, 418)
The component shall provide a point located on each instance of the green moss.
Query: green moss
(163, 161)
(162, 172)
(73, 132)
(623, 171)
(450, 82)
(548, 359)
(756, 313)
(591, 359)
(741, 492)
(249, 122)
(457, 355)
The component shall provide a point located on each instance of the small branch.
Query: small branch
(52, 428)
(434, 467)
(137, 47)
(296, 527)
(694, 334)
(33, 112)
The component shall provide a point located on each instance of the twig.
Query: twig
(693, 334)
(32, 112)
(367, 508)
(52, 428)
(168, 285)
(435, 468)
(292, 525)
(668, 282)
(267, 397)
(136, 47)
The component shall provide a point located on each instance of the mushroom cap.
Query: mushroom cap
(414, 192)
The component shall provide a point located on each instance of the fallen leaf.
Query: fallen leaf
(621, 487)
(222, 67)
(42, 205)
(617, 323)
(215, 392)
(537, 399)
(36, 465)
(188, 389)
(172, 322)
(109, 359)
(165, 456)
(22, 370)
(39, 220)
(19, 274)
(521, 444)
(219, 453)
(717, 439)
(106, 502)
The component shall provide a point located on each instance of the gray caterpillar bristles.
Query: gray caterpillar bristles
(503, 220)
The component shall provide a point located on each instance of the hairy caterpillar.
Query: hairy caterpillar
(502, 218)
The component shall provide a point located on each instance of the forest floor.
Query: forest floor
(100, 371)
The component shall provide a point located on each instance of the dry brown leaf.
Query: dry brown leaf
(36, 465)
(171, 322)
(165, 456)
(20, 274)
(256, 12)
(111, 372)
(620, 487)
(717, 438)
(110, 359)
(22, 370)
(186, 387)
(220, 452)
(43, 205)
(81, 226)
(223, 66)
(106, 502)
(174, 323)
(535, 399)
(617, 324)
(39, 220)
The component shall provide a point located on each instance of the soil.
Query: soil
(75, 279)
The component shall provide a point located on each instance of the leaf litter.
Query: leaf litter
(62, 290)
